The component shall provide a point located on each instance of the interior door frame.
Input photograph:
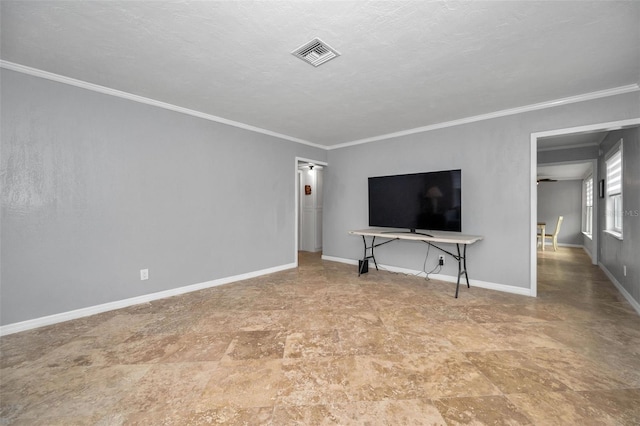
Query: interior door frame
(533, 216)
(296, 189)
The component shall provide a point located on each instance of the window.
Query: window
(587, 205)
(614, 190)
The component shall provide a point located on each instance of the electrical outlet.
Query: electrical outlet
(144, 274)
(441, 260)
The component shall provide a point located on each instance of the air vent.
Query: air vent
(315, 52)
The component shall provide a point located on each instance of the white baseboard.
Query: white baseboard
(550, 244)
(568, 245)
(340, 259)
(92, 310)
(620, 288)
(586, 250)
(448, 278)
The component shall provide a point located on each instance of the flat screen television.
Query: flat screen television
(430, 201)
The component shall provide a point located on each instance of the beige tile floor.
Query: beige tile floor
(318, 345)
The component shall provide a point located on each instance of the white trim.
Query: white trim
(595, 238)
(533, 247)
(604, 127)
(119, 304)
(533, 217)
(588, 253)
(621, 289)
(497, 114)
(550, 243)
(587, 196)
(340, 260)
(447, 278)
(564, 147)
(613, 150)
(614, 234)
(309, 160)
(136, 98)
(614, 191)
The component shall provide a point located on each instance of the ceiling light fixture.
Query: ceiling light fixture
(315, 52)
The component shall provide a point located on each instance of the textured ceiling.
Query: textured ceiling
(404, 64)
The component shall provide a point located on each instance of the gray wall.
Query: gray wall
(562, 198)
(613, 252)
(495, 159)
(95, 188)
(568, 154)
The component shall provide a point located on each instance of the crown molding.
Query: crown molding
(141, 99)
(136, 98)
(497, 114)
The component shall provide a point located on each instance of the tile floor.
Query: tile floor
(320, 346)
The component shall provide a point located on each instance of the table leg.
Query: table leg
(462, 267)
(366, 255)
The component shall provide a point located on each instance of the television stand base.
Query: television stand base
(460, 241)
(413, 231)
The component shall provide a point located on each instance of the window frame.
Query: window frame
(614, 175)
(587, 206)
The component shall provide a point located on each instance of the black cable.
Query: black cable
(436, 269)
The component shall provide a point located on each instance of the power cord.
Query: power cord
(436, 269)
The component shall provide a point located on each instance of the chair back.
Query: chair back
(557, 231)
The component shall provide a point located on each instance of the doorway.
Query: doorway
(309, 204)
(533, 222)
(562, 191)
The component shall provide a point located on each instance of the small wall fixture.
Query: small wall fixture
(601, 188)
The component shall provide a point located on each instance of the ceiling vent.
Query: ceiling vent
(315, 52)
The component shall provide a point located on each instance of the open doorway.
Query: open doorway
(536, 139)
(565, 189)
(309, 204)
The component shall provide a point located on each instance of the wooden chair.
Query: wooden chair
(553, 237)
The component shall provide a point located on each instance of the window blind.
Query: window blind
(614, 174)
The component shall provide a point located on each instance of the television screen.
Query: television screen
(429, 201)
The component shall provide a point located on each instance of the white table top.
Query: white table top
(438, 236)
